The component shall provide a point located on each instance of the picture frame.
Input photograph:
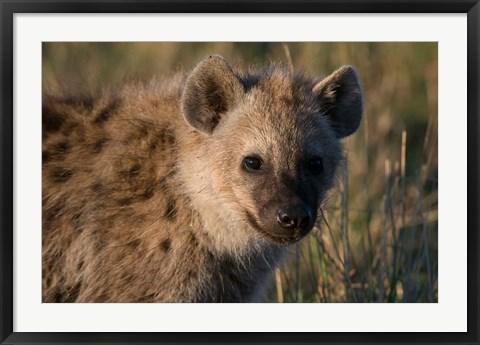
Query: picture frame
(7, 174)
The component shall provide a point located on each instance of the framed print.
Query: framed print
(239, 172)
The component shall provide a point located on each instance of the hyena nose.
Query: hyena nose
(292, 217)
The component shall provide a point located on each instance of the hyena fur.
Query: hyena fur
(188, 189)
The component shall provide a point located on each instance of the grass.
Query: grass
(383, 254)
(376, 237)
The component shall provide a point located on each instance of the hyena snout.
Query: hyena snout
(297, 216)
(288, 222)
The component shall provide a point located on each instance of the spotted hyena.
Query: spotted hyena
(188, 189)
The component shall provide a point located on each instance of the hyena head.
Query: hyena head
(273, 141)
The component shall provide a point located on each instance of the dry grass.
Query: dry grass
(376, 239)
(372, 254)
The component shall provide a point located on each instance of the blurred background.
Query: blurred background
(376, 237)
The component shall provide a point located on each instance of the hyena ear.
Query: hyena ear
(340, 97)
(212, 89)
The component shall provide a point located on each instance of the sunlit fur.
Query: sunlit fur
(145, 199)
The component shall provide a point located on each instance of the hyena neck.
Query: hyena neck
(231, 270)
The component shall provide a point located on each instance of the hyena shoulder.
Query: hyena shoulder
(110, 198)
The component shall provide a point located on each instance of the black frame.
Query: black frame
(9, 7)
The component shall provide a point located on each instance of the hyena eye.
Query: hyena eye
(315, 165)
(252, 163)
